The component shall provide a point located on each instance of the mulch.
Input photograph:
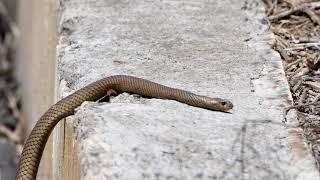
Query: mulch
(296, 25)
(10, 116)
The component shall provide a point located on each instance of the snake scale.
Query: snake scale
(34, 146)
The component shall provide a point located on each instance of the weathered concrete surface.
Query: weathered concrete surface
(214, 48)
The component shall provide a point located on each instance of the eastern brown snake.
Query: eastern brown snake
(34, 146)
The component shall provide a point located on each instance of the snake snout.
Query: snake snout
(227, 105)
(221, 104)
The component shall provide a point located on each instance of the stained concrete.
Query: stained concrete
(214, 48)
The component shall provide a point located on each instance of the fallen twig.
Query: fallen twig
(315, 19)
(305, 8)
(303, 96)
(313, 85)
(272, 7)
(293, 63)
(284, 55)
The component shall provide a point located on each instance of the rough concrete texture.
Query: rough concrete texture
(214, 48)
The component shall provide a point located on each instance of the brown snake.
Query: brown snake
(33, 148)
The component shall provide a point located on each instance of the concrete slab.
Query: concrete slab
(214, 48)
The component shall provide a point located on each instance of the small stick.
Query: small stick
(272, 6)
(315, 19)
(301, 8)
(296, 86)
(284, 55)
(313, 85)
(299, 72)
(286, 110)
(313, 93)
(306, 45)
(303, 105)
(303, 96)
(268, 2)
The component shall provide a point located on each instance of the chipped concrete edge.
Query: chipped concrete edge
(65, 158)
(264, 86)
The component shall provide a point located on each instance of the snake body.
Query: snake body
(34, 146)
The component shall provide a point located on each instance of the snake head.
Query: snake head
(227, 105)
(220, 104)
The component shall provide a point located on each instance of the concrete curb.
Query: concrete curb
(211, 48)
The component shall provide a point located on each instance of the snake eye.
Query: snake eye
(223, 103)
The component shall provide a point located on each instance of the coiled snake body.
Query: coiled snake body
(33, 148)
